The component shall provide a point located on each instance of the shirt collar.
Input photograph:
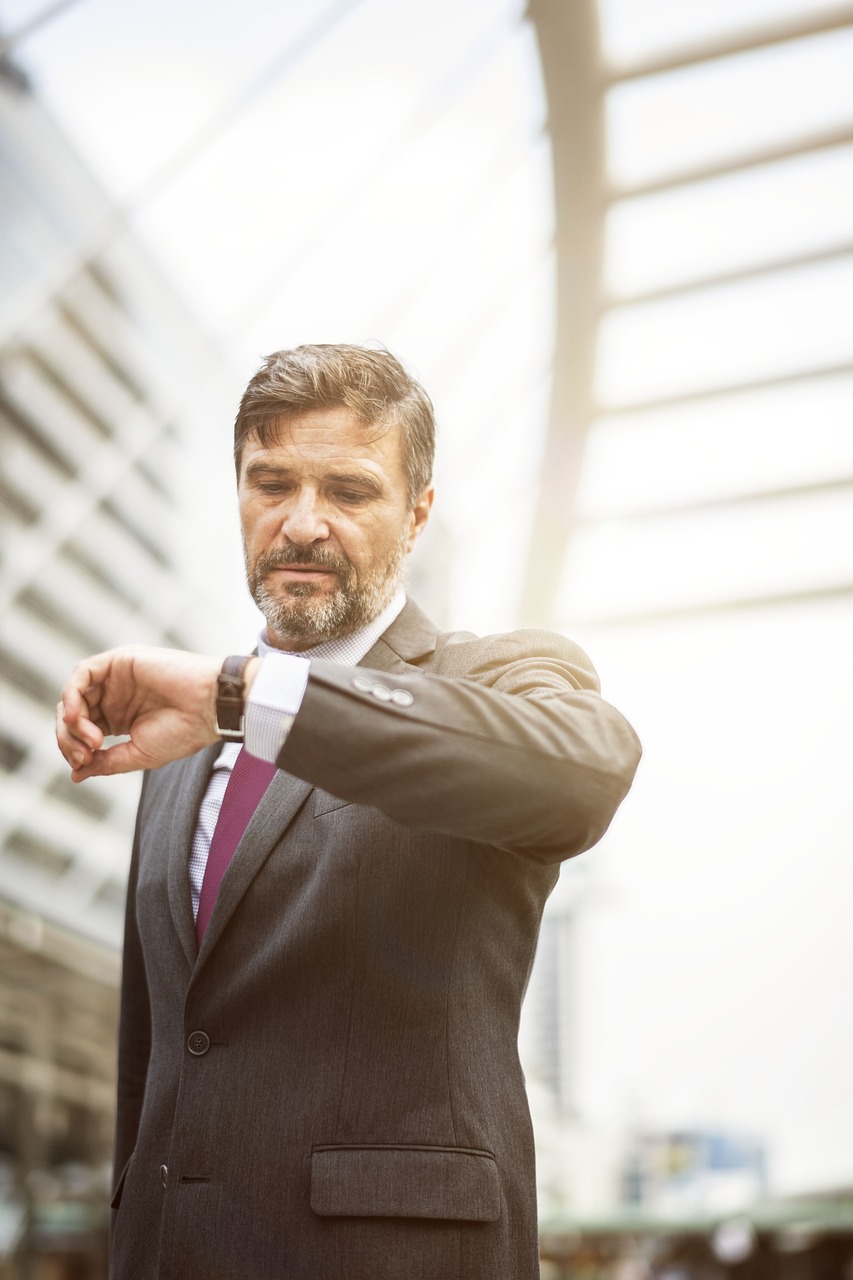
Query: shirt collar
(348, 650)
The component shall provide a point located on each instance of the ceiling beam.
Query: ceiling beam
(719, 502)
(747, 40)
(733, 275)
(841, 368)
(652, 615)
(569, 49)
(788, 149)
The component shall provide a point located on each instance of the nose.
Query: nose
(304, 519)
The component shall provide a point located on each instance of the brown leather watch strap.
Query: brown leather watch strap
(230, 698)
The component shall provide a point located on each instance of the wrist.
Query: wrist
(232, 689)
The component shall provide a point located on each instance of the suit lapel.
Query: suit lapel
(191, 782)
(410, 639)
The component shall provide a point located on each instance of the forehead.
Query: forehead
(330, 437)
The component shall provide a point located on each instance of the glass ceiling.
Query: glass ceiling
(710, 572)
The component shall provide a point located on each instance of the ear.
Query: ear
(419, 515)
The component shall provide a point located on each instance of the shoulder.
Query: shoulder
(515, 661)
(524, 661)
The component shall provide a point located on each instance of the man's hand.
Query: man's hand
(163, 698)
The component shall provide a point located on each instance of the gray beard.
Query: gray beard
(309, 616)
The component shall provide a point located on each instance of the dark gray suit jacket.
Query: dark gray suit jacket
(331, 1085)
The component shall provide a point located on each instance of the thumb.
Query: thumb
(119, 757)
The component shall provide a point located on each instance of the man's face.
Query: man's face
(326, 525)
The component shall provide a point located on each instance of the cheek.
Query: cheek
(257, 524)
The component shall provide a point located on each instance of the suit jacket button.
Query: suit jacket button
(164, 1174)
(198, 1043)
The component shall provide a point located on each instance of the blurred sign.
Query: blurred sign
(694, 1170)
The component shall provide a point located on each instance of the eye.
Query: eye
(352, 497)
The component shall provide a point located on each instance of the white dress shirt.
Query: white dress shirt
(272, 706)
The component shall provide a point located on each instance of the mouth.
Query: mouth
(293, 576)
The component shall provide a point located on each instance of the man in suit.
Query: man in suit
(318, 1070)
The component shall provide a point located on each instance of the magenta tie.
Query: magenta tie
(249, 779)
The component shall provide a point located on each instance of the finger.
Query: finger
(121, 757)
(95, 764)
(77, 719)
(81, 735)
(75, 750)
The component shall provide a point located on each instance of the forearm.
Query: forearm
(519, 752)
(541, 775)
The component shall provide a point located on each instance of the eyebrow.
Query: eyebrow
(359, 479)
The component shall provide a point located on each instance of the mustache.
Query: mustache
(315, 557)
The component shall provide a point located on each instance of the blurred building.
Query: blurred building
(96, 358)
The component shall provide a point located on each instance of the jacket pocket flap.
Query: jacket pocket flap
(405, 1182)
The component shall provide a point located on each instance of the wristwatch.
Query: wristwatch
(230, 698)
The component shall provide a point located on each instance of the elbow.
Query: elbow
(590, 805)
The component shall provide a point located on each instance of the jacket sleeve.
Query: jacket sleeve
(134, 1041)
(519, 752)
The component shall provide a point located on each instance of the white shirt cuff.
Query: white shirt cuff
(275, 698)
